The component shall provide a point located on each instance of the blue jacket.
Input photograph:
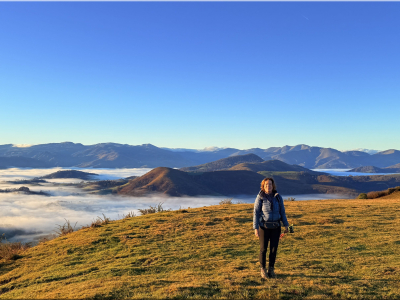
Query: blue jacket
(262, 210)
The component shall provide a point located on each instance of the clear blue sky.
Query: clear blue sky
(197, 74)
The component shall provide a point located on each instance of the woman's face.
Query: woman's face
(268, 186)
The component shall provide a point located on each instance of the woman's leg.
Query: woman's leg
(274, 241)
(263, 238)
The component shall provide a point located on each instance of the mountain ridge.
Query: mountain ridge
(114, 155)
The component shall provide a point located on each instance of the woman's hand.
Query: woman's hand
(256, 233)
(286, 229)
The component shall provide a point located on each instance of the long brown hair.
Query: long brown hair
(273, 185)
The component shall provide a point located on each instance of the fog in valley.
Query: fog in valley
(345, 172)
(31, 217)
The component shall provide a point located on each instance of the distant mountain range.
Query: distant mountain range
(113, 155)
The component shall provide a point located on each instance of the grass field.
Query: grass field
(340, 249)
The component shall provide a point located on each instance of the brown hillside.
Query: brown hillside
(269, 165)
(179, 183)
(167, 181)
(225, 163)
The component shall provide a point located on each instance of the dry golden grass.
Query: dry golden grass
(395, 195)
(340, 249)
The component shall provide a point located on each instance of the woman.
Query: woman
(269, 211)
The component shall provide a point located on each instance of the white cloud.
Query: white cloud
(213, 148)
(22, 145)
(369, 151)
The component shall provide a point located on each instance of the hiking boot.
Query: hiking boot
(271, 273)
(264, 273)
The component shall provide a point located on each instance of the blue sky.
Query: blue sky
(198, 74)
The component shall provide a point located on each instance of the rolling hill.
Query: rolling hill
(70, 174)
(369, 169)
(179, 183)
(224, 163)
(270, 165)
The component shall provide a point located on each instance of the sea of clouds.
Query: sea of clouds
(31, 217)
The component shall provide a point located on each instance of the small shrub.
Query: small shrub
(95, 223)
(43, 240)
(289, 199)
(130, 214)
(226, 201)
(362, 196)
(153, 209)
(376, 194)
(99, 221)
(11, 251)
(65, 229)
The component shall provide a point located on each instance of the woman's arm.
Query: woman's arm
(257, 213)
(282, 212)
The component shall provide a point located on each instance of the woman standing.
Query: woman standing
(269, 211)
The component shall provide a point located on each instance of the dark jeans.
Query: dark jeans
(271, 235)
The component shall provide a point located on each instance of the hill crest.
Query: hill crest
(224, 163)
(270, 165)
(178, 183)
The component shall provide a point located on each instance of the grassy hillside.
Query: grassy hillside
(340, 249)
(395, 195)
